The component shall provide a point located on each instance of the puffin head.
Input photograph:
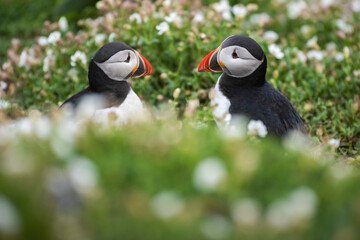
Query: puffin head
(118, 62)
(237, 56)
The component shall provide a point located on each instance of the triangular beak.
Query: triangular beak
(210, 63)
(144, 68)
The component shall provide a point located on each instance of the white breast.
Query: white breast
(131, 110)
(221, 106)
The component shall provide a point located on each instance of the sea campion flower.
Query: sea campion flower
(276, 51)
(162, 28)
(208, 174)
(174, 18)
(99, 38)
(239, 11)
(43, 41)
(198, 17)
(224, 8)
(296, 8)
(260, 19)
(257, 127)
(54, 37)
(112, 37)
(246, 212)
(314, 54)
(334, 143)
(135, 17)
(63, 24)
(271, 36)
(167, 204)
(22, 60)
(344, 26)
(78, 56)
(4, 104)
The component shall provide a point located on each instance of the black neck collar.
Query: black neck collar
(229, 85)
(99, 82)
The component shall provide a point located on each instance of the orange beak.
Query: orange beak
(210, 63)
(144, 68)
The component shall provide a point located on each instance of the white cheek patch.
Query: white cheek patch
(242, 66)
(116, 68)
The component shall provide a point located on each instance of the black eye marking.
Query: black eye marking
(128, 58)
(234, 54)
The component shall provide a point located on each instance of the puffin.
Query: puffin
(109, 70)
(242, 87)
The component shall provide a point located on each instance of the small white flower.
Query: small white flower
(78, 56)
(344, 26)
(355, 5)
(216, 227)
(357, 73)
(296, 141)
(259, 19)
(54, 37)
(339, 56)
(297, 208)
(174, 18)
(162, 28)
(257, 127)
(3, 85)
(271, 36)
(23, 58)
(135, 17)
(327, 3)
(24, 126)
(314, 54)
(4, 104)
(199, 17)
(312, 42)
(112, 37)
(224, 8)
(43, 41)
(334, 143)
(63, 24)
(301, 56)
(246, 212)
(167, 204)
(295, 8)
(9, 217)
(83, 175)
(99, 38)
(239, 11)
(208, 174)
(305, 30)
(167, 3)
(276, 51)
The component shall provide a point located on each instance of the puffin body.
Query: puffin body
(109, 70)
(242, 88)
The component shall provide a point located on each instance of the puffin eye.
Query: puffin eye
(128, 58)
(234, 55)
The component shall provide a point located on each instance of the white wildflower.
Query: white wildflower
(162, 28)
(135, 17)
(24, 126)
(9, 217)
(331, 46)
(83, 175)
(257, 127)
(48, 60)
(305, 30)
(224, 8)
(54, 37)
(112, 37)
(208, 174)
(246, 212)
(297, 208)
(99, 38)
(301, 56)
(260, 19)
(357, 73)
(315, 54)
(78, 56)
(43, 41)
(42, 127)
(63, 24)
(327, 3)
(216, 227)
(239, 11)
(344, 26)
(198, 17)
(295, 8)
(167, 3)
(23, 59)
(3, 85)
(311, 43)
(296, 141)
(334, 143)
(167, 204)
(355, 5)
(276, 51)
(271, 36)
(174, 18)
(339, 56)
(4, 104)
